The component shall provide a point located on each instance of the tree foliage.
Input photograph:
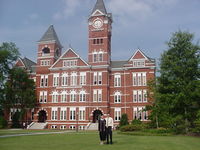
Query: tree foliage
(176, 90)
(123, 120)
(8, 55)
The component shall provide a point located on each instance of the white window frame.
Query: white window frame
(55, 80)
(117, 97)
(82, 113)
(73, 79)
(82, 96)
(82, 78)
(54, 113)
(73, 96)
(64, 96)
(63, 113)
(117, 80)
(65, 79)
(72, 114)
(117, 114)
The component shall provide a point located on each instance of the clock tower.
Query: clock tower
(100, 29)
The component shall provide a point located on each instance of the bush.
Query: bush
(15, 120)
(197, 126)
(3, 123)
(124, 120)
(133, 127)
(136, 121)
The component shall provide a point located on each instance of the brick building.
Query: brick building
(72, 92)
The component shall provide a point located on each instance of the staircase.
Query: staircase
(92, 126)
(37, 125)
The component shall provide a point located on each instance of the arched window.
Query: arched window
(82, 96)
(117, 97)
(46, 51)
(73, 96)
(64, 96)
(55, 97)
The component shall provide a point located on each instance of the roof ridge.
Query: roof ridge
(99, 6)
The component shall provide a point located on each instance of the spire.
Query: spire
(100, 6)
(50, 35)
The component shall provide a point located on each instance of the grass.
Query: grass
(20, 131)
(90, 141)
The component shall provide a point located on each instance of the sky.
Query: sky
(143, 24)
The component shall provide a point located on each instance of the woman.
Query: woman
(102, 130)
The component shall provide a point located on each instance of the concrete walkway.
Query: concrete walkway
(36, 133)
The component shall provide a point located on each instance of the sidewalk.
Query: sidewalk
(37, 133)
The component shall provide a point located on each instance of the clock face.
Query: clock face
(98, 23)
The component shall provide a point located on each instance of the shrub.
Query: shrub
(124, 120)
(132, 127)
(15, 120)
(136, 121)
(3, 123)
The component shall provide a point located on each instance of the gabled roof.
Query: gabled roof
(142, 54)
(28, 64)
(63, 55)
(50, 35)
(99, 6)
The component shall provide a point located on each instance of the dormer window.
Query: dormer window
(139, 63)
(45, 51)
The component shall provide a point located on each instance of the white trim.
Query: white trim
(138, 50)
(101, 13)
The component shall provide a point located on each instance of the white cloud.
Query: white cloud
(138, 10)
(69, 9)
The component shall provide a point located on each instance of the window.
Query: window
(64, 79)
(117, 97)
(81, 127)
(54, 127)
(139, 63)
(54, 113)
(95, 57)
(70, 63)
(45, 62)
(55, 97)
(45, 51)
(73, 96)
(74, 79)
(117, 114)
(144, 96)
(41, 97)
(135, 96)
(64, 97)
(117, 80)
(62, 127)
(83, 78)
(72, 113)
(82, 113)
(140, 113)
(97, 41)
(140, 96)
(55, 80)
(97, 78)
(139, 79)
(82, 96)
(100, 78)
(44, 81)
(100, 56)
(63, 112)
(97, 95)
(45, 96)
(72, 127)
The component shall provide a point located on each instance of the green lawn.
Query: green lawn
(90, 141)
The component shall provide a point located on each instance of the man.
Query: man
(109, 127)
(102, 129)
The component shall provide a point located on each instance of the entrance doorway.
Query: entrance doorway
(96, 115)
(42, 116)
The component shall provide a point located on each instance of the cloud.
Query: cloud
(139, 10)
(69, 9)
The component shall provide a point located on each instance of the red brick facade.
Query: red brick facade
(72, 92)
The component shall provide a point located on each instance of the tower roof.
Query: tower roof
(50, 35)
(100, 6)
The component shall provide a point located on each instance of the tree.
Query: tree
(123, 120)
(8, 55)
(20, 91)
(177, 88)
